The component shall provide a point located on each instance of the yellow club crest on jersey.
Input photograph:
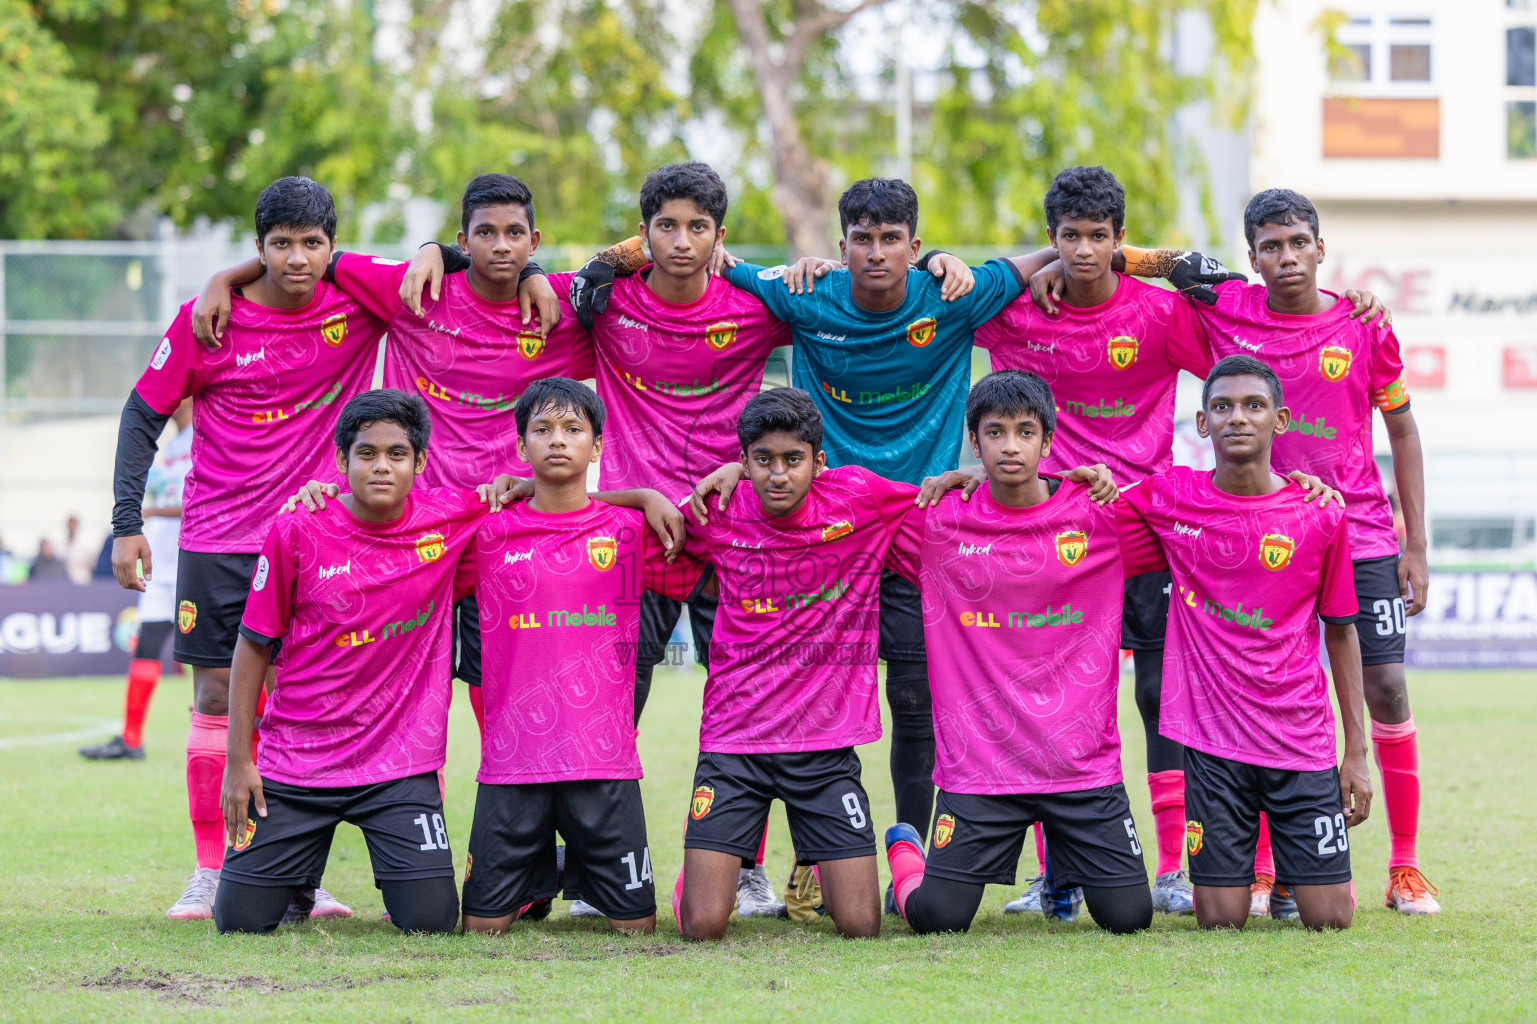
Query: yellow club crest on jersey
(1123, 351)
(832, 532)
(334, 329)
(186, 616)
(1334, 362)
(1194, 833)
(1072, 545)
(1275, 550)
(243, 838)
(430, 547)
(704, 796)
(530, 344)
(944, 828)
(721, 335)
(602, 552)
(921, 332)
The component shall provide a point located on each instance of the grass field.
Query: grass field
(92, 854)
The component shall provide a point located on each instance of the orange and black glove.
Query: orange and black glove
(590, 285)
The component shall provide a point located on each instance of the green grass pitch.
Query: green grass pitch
(92, 854)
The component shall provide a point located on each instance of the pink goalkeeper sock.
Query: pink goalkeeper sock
(906, 862)
(763, 843)
(1398, 760)
(677, 902)
(1168, 792)
(1264, 863)
(1040, 849)
(205, 775)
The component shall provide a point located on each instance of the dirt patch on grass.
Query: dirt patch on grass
(200, 989)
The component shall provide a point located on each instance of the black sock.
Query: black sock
(912, 742)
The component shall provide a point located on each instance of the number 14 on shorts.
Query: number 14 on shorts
(637, 878)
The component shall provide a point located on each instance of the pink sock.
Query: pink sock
(205, 775)
(1264, 863)
(1168, 791)
(1040, 849)
(906, 862)
(763, 843)
(1398, 759)
(677, 902)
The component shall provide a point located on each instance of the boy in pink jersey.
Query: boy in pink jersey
(792, 686)
(1254, 568)
(678, 354)
(559, 580)
(467, 347)
(297, 350)
(358, 597)
(1022, 616)
(1336, 366)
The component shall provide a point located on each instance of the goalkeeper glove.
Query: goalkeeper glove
(1191, 273)
(590, 285)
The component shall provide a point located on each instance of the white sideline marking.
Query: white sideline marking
(91, 727)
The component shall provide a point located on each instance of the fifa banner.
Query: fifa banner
(1476, 620)
(59, 629)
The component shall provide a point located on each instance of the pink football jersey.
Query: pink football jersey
(364, 612)
(793, 654)
(559, 599)
(1112, 370)
(675, 378)
(470, 358)
(1022, 618)
(264, 408)
(1252, 575)
(1333, 370)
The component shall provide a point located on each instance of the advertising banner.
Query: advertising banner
(59, 629)
(1476, 620)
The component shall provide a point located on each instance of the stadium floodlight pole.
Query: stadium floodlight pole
(904, 111)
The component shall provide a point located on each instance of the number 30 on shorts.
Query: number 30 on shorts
(1390, 616)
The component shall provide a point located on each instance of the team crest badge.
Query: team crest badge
(839, 529)
(704, 796)
(601, 552)
(721, 335)
(921, 332)
(529, 344)
(1334, 362)
(430, 547)
(1072, 545)
(1123, 352)
(186, 616)
(1193, 835)
(944, 828)
(1275, 550)
(243, 840)
(334, 329)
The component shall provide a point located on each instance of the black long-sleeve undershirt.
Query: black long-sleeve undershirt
(138, 439)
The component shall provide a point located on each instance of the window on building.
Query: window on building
(1521, 55)
(1521, 122)
(1353, 63)
(1409, 62)
(1384, 56)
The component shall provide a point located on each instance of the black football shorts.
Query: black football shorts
(1380, 620)
(211, 590)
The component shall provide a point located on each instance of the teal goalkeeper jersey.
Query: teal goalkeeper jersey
(891, 386)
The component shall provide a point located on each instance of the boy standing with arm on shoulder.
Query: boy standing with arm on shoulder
(297, 350)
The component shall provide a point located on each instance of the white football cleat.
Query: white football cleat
(196, 903)
(1410, 892)
(755, 896)
(581, 908)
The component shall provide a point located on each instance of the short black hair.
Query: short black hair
(403, 408)
(1277, 206)
(788, 409)
(1242, 366)
(1088, 192)
(691, 180)
(494, 190)
(1010, 393)
(560, 394)
(295, 202)
(879, 201)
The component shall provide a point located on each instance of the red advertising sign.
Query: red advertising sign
(1425, 366)
(1521, 366)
